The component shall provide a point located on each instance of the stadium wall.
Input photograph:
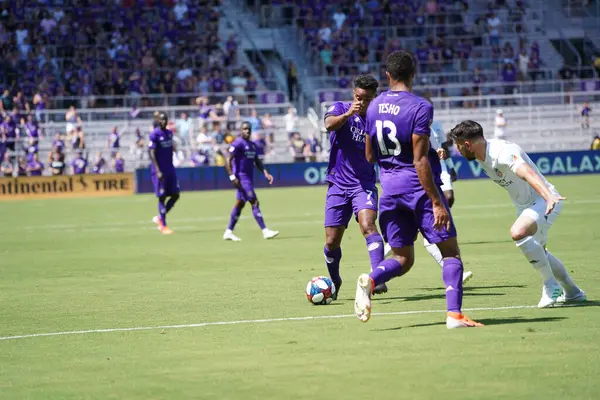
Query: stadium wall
(308, 174)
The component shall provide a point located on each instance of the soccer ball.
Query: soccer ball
(320, 290)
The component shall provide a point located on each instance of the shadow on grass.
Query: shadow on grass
(475, 243)
(278, 238)
(467, 287)
(486, 321)
(440, 295)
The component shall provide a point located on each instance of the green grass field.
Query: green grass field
(92, 264)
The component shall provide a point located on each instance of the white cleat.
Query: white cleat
(156, 221)
(269, 234)
(457, 320)
(387, 250)
(578, 298)
(362, 301)
(550, 295)
(228, 235)
(467, 275)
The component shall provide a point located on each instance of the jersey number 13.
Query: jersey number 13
(395, 148)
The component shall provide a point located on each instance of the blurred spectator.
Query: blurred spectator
(231, 109)
(203, 140)
(499, 125)
(73, 120)
(290, 120)
(338, 18)
(217, 135)
(595, 143)
(200, 158)
(254, 121)
(535, 65)
(58, 144)
(523, 63)
(35, 167)
(238, 83)
(32, 129)
(292, 80)
(184, 129)
(585, 115)
(114, 141)
(10, 133)
(297, 147)
(21, 166)
(79, 164)
(313, 147)
(118, 164)
(139, 145)
(99, 164)
(78, 139)
(205, 112)
(494, 27)
(57, 163)
(6, 168)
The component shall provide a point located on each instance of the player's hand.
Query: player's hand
(159, 176)
(441, 217)
(269, 177)
(236, 183)
(355, 108)
(552, 202)
(453, 175)
(442, 154)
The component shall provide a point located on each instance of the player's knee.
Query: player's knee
(240, 204)
(518, 233)
(175, 197)
(368, 227)
(332, 242)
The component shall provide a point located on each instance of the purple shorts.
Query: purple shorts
(403, 216)
(168, 187)
(340, 204)
(246, 192)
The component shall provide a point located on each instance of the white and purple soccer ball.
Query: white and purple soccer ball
(320, 290)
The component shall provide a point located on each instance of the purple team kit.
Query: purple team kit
(244, 153)
(162, 141)
(405, 208)
(350, 176)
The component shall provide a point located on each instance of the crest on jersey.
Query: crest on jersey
(498, 172)
(356, 119)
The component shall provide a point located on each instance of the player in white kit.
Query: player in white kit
(437, 139)
(537, 202)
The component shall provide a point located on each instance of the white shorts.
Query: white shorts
(446, 181)
(537, 212)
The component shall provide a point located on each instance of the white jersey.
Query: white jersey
(502, 159)
(436, 138)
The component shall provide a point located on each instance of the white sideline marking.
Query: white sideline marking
(247, 321)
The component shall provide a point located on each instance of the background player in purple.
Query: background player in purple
(240, 164)
(351, 179)
(399, 125)
(164, 177)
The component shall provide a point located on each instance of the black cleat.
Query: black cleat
(380, 289)
(337, 285)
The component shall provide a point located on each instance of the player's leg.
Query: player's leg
(399, 230)
(236, 211)
(338, 212)
(572, 293)
(267, 233)
(172, 191)
(452, 269)
(527, 232)
(364, 205)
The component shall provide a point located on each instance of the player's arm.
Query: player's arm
(229, 166)
(152, 155)
(334, 122)
(525, 172)
(369, 152)
(259, 164)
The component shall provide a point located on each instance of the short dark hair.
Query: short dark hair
(466, 130)
(366, 82)
(246, 123)
(400, 65)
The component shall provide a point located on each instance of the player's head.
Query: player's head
(246, 130)
(365, 90)
(400, 67)
(467, 136)
(162, 120)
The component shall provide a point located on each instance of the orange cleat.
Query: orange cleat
(458, 320)
(158, 222)
(165, 230)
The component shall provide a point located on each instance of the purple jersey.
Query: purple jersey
(113, 140)
(392, 119)
(348, 167)
(99, 166)
(162, 141)
(35, 168)
(32, 129)
(79, 165)
(244, 155)
(120, 165)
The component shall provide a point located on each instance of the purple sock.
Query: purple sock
(452, 275)
(258, 217)
(162, 212)
(233, 218)
(170, 203)
(332, 260)
(386, 270)
(375, 249)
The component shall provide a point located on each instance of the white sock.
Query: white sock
(434, 251)
(536, 255)
(562, 276)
